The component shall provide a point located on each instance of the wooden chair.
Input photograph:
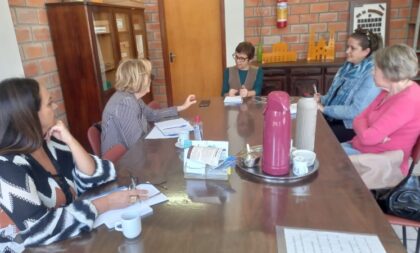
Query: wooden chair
(415, 155)
(94, 136)
(154, 105)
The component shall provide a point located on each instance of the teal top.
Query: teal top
(242, 77)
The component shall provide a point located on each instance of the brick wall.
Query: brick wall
(35, 46)
(154, 40)
(32, 32)
(319, 15)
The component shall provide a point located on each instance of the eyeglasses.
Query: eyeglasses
(239, 59)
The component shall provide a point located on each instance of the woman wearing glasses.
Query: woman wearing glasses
(243, 79)
(353, 88)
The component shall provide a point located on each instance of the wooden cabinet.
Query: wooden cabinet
(298, 78)
(274, 79)
(89, 40)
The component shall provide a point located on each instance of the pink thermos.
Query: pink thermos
(276, 135)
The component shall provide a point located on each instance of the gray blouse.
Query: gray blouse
(125, 120)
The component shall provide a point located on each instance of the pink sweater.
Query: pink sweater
(398, 118)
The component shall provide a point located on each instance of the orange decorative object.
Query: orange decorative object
(279, 54)
(321, 51)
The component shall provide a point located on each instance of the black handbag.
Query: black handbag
(403, 200)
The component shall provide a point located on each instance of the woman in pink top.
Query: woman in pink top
(392, 120)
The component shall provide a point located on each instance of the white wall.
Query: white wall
(234, 27)
(10, 62)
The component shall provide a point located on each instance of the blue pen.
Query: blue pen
(181, 126)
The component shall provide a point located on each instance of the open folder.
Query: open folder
(109, 218)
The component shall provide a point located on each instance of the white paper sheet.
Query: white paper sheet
(320, 241)
(155, 133)
(233, 100)
(174, 127)
(109, 218)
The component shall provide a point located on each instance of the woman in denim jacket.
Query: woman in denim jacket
(353, 87)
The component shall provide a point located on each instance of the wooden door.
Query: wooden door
(193, 51)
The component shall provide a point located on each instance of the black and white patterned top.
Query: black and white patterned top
(38, 208)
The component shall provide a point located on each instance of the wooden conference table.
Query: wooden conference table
(238, 215)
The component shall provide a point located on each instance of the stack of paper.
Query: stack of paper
(236, 100)
(109, 218)
(208, 160)
(174, 127)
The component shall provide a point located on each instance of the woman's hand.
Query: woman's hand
(60, 132)
(119, 199)
(232, 92)
(188, 102)
(320, 107)
(83, 160)
(243, 92)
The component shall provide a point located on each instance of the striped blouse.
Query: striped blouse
(125, 120)
(38, 208)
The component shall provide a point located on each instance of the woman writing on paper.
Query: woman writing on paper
(43, 170)
(125, 117)
(353, 88)
(392, 120)
(243, 79)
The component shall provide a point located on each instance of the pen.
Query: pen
(181, 126)
(315, 89)
(133, 183)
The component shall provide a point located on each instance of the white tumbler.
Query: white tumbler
(306, 123)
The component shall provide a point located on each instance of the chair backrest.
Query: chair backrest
(94, 137)
(154, 105)
(114, 153)
(415, 153)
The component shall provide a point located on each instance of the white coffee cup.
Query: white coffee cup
(300, 166)
(130, 225)
(184, 139)
(308, 155)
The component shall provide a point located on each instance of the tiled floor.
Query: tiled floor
(411, 237)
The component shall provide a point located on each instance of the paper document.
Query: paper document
(233, 100)
(316, 241)
(109, 218)
(155, 133)
(214, 164)
(174, 127)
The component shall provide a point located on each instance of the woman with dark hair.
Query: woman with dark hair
(353, 88)
(42, 171)
(243, 79)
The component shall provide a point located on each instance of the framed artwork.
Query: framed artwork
(372, 15)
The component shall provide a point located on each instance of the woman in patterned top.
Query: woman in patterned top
(125, 117)
(42, 171)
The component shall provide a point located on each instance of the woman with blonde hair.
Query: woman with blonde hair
(125, 117)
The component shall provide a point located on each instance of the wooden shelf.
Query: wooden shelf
(71, 30)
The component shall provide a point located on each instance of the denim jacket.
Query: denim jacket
(363, 91)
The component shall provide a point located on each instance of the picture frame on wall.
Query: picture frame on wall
(372, 15)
